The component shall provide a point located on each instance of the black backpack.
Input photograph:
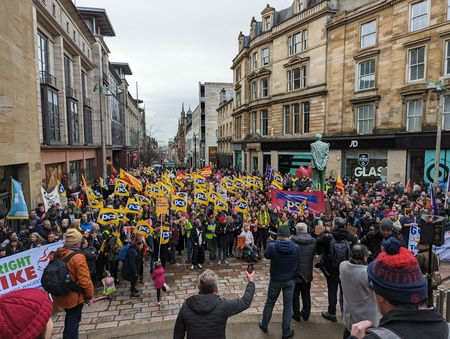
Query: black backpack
(56, 277)
(339, 251)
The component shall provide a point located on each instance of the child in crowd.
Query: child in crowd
(159, 278)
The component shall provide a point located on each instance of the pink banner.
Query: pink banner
(298, 201)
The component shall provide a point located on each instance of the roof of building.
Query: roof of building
(101, 17)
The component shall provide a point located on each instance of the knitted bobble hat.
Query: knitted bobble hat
(24, 313)
(395, 274)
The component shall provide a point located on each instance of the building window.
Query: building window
(365, 119)
(368, 34)
(446, 113)
(296, 78)
(264, 122)
(296, 118)
(286, 120)
(238, 73)
(75, 171)
(50, 117)
(87, 115)
(89, 170)
(255, 60)
(254, 90)
(419, 15)
(238, 99)
(73, 122)
(264, 88)
(366, 75)
(300, 5)
(254, 121)
(414, 116)
(265, 57)
(42, 54)
(417, 64)
(294, 44)
(305, 109)
(447, 57)
(255, 163)
(304, 40)
(67, 27)
(54, 10)
(303, 76)
(448, 9)
(267, 23)
(238, 128)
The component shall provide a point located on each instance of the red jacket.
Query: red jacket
(158, 277)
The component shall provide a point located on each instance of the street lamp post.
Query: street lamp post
(440, 89)
(195, 150)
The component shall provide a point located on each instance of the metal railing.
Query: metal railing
(70, 92)
(47, 78)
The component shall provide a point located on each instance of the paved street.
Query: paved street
(141, 317)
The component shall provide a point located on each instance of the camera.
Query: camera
(321, 267)
(273, 235)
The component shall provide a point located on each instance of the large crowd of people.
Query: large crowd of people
(361, 214)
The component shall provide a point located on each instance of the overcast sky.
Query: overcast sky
(171, 46)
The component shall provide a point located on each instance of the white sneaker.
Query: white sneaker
(177, 264)
(226, 262)
(192, 267)
(165, 287)
(219, 262)
(200, 266)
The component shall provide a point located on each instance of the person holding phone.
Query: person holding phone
(205, 314)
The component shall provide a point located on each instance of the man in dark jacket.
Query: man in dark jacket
(339, 233)
(284, 257)
(307, 246)
(205, 315)
(401, 296)
(373, 239)
(132, 265)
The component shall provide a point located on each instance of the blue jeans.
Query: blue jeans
(72, 322)
(275, 287)
(222, 253)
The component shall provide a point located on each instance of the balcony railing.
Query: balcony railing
(48, 79)
(86, 102)
(70, 92)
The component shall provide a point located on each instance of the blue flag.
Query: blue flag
(19, 209)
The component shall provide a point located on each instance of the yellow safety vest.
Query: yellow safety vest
(266, 219)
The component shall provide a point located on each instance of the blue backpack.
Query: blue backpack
(123, 252)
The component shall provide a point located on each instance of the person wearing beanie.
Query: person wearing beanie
(79, 273)
(284, 257)
(198, 240)
(401, 294)
(337, 234)
(374, 238)
(26, 314)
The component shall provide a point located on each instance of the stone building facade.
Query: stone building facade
(62, 100)
(352, 71)
(225, 132)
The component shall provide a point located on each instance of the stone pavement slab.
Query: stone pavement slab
(122, 316)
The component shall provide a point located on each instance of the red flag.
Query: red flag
(218, 176)
(408, 186)
(113, 170)
(206, 171)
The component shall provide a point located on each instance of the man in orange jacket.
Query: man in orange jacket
(79, 273)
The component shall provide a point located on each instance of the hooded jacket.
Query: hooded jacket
(205, 315)
(284, 258)
(307, 246)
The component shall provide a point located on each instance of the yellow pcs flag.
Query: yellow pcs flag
(107, 216)
(277, 181)
(120, 188)
(103, 184)
(242, 206)
(201, 197)
(220, 205)
(133, 207)
(165, 235)
(179, 203)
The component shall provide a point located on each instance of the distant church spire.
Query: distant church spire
(182, 110)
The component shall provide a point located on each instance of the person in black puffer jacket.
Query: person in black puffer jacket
(205, 314)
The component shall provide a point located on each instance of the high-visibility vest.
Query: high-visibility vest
(266, 219)
(188, 228)
(210, 230)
